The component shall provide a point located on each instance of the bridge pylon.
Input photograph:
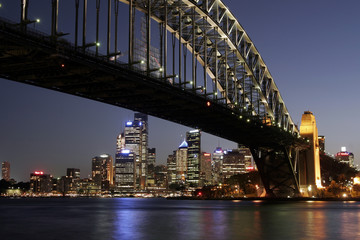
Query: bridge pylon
(309, 164)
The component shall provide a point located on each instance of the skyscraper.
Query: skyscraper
(151, 156)
(194, 152)
(5, 170)
(124, 171)
(205, 169)
(181, 162)
(217, 163)
(102, 171)
(171, 168)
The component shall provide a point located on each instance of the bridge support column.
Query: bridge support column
(310, 175)
(276, 169)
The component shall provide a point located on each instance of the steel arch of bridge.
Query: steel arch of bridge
(218, 42)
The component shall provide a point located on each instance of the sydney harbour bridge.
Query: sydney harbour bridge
(205, 73)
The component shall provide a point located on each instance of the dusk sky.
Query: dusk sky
(312, 49)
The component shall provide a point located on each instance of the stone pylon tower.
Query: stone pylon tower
(309, 169)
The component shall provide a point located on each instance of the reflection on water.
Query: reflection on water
(171, 219)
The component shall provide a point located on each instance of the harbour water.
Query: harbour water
(133, 218)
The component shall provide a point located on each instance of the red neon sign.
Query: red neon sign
(249, 168)
(39, 172)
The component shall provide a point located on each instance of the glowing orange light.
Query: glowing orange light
(208, 103)
(62, 65)
(207, 154)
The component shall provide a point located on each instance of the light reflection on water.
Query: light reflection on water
(177, 219)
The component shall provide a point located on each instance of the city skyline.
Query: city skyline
(55, 131)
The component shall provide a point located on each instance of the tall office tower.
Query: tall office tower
(205, 169)
(233, 163)
(151, 156)
(143, 120)
(171, 168)
(194, 152)
(181, 162)
(40, 182)
(247, 158)
(345, 157)
(321, 144)
(5, 170)
(120, 143)
(217, 163)
(136, 140)
(102, 171)
(124, 171)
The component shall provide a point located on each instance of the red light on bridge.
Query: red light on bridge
(39, 172)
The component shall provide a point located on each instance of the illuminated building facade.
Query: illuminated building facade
(181, 162)
(151, 156)
(205, 169)
(247, 158)
(124, 171)
(102, 171)
(171, 168)
(194, 153)
(345, 157)
(233, 163)
(5, 170)
(217, 164)
(136, 140)
(73, 180)
(309, 166)
(40, 182)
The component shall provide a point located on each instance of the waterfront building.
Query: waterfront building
(181, 163)
(125, 171)
(233, 163)
(160, 176)
(247, 158)
(205, 169)
(5, 170)
(102, 171)
(217, 163)
(73, 180)
(193, 138)
(345, 157)
(171, 168)
(40, 182)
